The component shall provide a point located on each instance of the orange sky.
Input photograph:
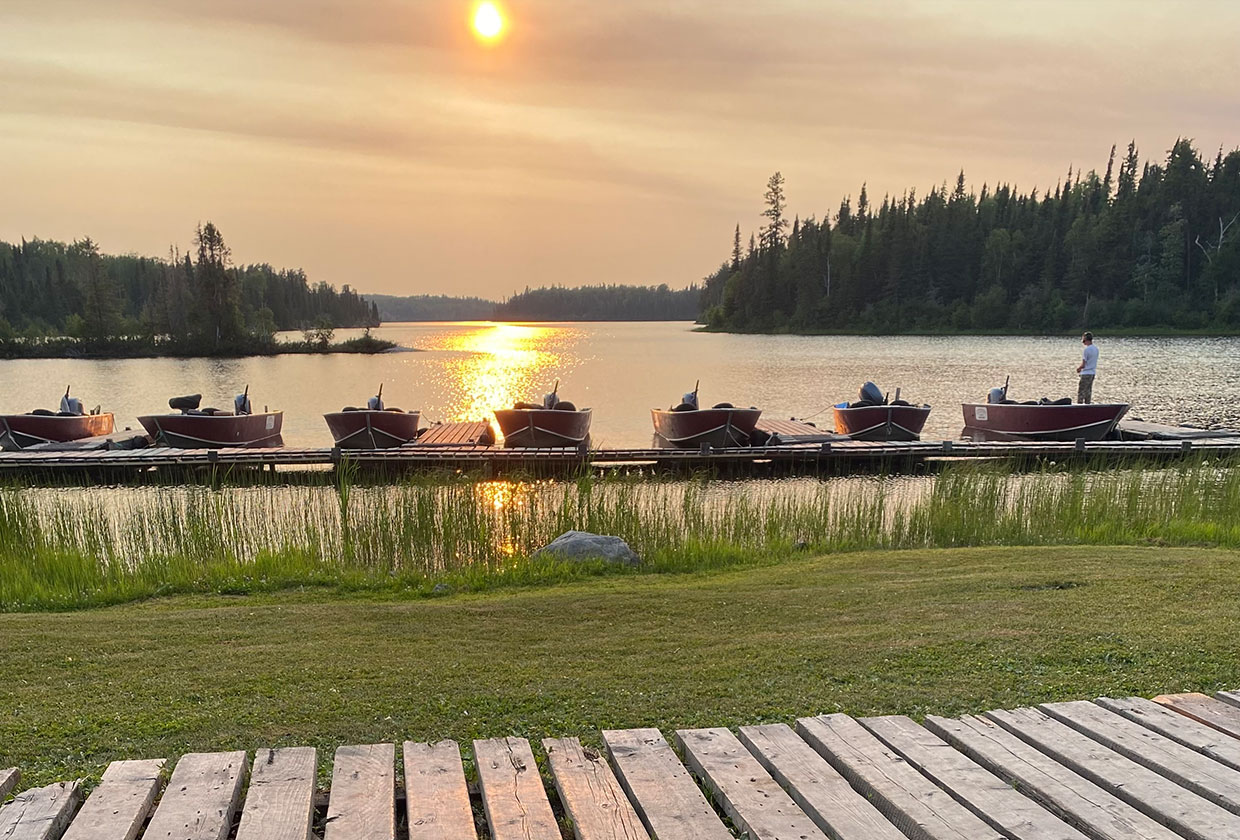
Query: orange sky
(375, 143)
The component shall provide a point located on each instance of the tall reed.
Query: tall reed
(71, 548)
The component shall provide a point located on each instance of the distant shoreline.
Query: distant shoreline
(69, 349)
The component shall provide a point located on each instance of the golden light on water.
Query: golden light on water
(488, 22)
(501, 364)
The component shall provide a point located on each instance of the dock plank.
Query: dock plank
(1154, 795)
(436, 794)
(1060, 790)
(1204, 709)
(917, 806)
(1183, 730)
(814, 785)
(999, 805)
(118, 808)
(200, 799)
(665, 796)
(1232, 698)
(363, 798)
(590, 793)
(40, 813)
(754, 801)
(1181, 764)
(512, 791)
(280, 802)
(9, 778)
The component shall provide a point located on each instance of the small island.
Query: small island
(59, 300)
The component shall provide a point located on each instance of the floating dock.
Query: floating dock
(458, 446)
(1111, 769)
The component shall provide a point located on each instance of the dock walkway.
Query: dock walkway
(1112, 769)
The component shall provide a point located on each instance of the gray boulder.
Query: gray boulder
(582, 545)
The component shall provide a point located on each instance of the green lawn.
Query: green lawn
(947, 631)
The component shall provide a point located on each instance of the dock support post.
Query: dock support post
(1186, 446)
(705, 449)
(947, 447)
(1080, 444)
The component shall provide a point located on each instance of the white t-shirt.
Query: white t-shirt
(1090, 357)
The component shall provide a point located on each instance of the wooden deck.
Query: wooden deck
(802, 448)
(1113, 769)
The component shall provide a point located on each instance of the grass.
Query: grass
(66, 549)
(947, 631)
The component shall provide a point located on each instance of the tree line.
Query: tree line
(1145, 245)
(72, 296)
(551, 303)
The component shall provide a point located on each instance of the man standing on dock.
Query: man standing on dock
(1088, 369)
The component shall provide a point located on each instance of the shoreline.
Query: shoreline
(1119, 332)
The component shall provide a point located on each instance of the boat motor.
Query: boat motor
(374, 404)
(70, 405)
(871, 394)
(550, 400)
(996, 396)
(241, 404)
(690, 399)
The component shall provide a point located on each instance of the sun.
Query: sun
(488, 22)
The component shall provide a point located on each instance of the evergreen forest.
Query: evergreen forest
(58, 298)
(602, 303)
(1146, 246)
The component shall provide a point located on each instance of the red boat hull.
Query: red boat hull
(722, 427)
(214, 431)
(543, 426)
(881, 422)
(373, 429)
(1007, 421)
(17, 431)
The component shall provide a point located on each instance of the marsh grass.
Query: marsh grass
(70, 548)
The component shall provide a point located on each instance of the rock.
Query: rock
(581, 545)
(441, 589)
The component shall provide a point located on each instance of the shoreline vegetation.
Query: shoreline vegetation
(867, 633)
(64, 550)
(72, 300)
(1148, 246)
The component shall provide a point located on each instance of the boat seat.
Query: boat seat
(351, 408)
(565, 405)
(186, 403)
(524, 406)
(43, 412)
(723, 405)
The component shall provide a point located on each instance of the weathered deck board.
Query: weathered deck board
(436, 794)
(668, 801)
(754, 801)
(117, 809)
(1006, 810)
(1183, 730)
(1204, 709)
(512, 791)
(1059, 789)
(1186, 767)
(200, 798)
(918, 807)
(9, 778)
(822, 793)
(279, 804)
(363, 797)
(1232, 698)
(590, 793)
(40, 813)
(1147, 791)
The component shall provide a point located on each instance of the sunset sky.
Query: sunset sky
(378, 143)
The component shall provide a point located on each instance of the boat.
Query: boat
(687, 427)
(872, 417)
(41, 426)
(555, 422)
(373, 427)
(1000, 418)
(211, 428)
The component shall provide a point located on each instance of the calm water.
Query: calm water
(622, 370)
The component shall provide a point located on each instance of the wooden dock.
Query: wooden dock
(1112, 769)
(462, 446)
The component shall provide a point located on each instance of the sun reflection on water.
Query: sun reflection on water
(501, 364)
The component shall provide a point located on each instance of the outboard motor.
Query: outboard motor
(996, 396)
(374, 404)
(690, 399)
(870, 393)
(241, 404)
(70, 405)
(550, 400)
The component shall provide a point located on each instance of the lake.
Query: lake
(465, 370)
